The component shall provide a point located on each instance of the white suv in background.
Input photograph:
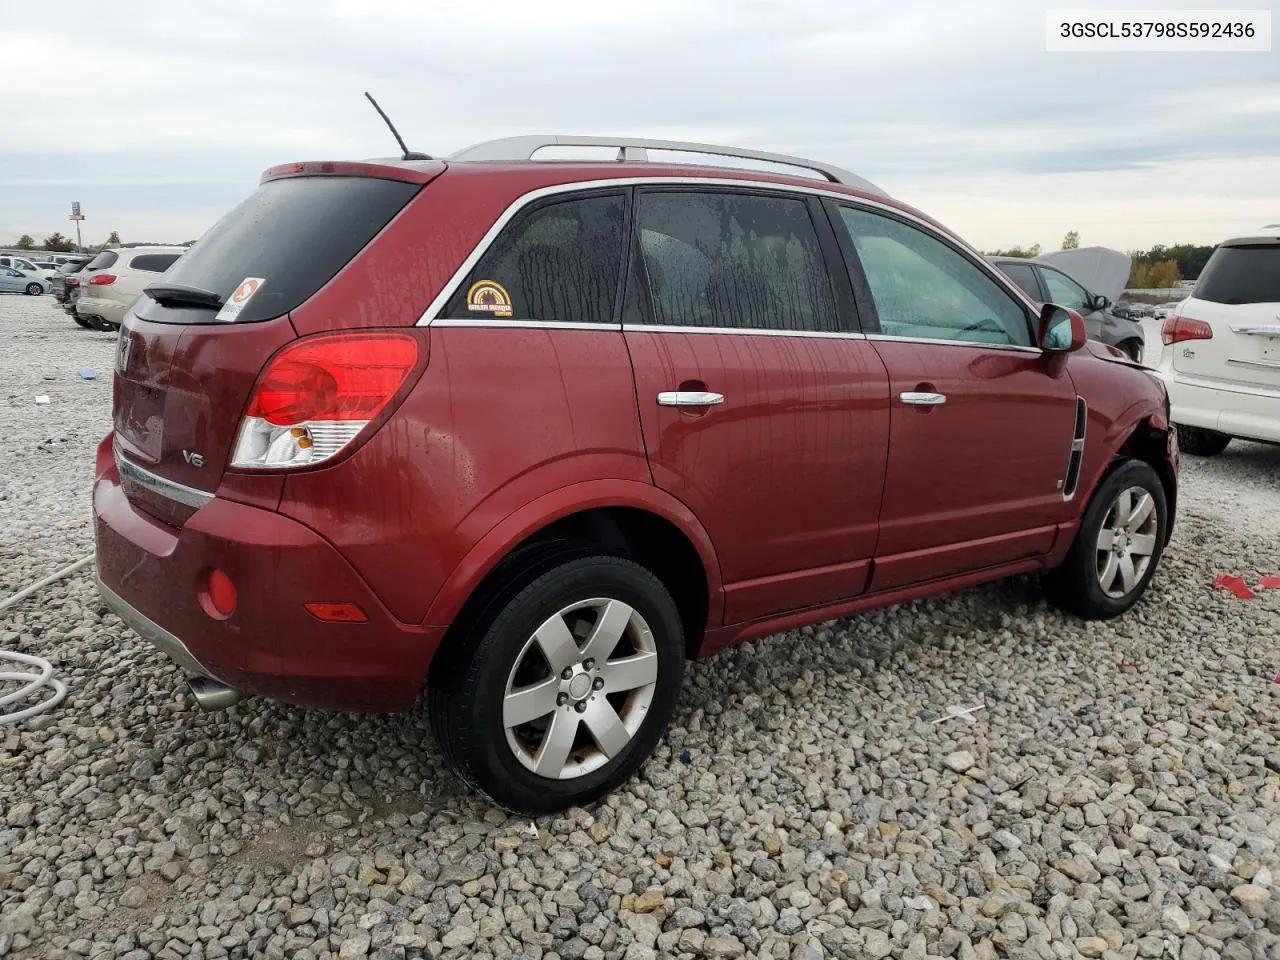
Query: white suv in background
(1221, 357)
(114, 279)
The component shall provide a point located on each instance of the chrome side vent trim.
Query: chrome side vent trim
(1077, 450)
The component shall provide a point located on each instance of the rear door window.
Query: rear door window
(295, 234)
(1241, 275)
(154, 262)
(1024, 275)
(558, 262)
(728, 260)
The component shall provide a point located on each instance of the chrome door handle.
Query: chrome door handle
(689, 398)
(923, 399)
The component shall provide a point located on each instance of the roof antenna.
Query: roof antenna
(408, 154)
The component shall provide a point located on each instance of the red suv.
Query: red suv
(527, 434)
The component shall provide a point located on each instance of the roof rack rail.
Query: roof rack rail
(636, 149)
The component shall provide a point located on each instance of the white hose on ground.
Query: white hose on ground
(43, 678)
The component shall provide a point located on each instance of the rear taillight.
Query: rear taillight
(71, 282)
(102, 279)
(1175, 329)
(317, 394)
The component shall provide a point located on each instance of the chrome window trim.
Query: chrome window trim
(1014, 347)
(737, 331)
(527, 323)
(431, 314)
(170, 489)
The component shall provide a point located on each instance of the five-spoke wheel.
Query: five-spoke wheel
(561, 686)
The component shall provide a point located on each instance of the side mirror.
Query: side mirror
(1098, 302)
(1061, 330)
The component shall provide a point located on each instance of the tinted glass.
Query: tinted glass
(1236, 275)
(154, 262)
(924, 288)
(1024, 275)
(295, 234)
(106, 258)
(734, 260)
(70, 268)
(558, 262)
(1064, 291)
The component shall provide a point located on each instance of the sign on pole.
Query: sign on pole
(75, 210)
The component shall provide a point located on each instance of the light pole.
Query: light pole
(77, 217)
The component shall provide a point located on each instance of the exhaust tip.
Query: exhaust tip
(213, 694)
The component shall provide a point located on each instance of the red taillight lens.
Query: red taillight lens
(337, 612)
(318, 393)
(102, 279)
(1175, 329)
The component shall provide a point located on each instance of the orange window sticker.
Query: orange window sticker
(240, 298)
(486, 296)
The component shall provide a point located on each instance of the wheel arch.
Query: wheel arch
(620, 517)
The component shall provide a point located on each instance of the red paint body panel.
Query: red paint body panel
(810, 493)
(270, 645)
(787, 473)
(499, 419)
(973, 482)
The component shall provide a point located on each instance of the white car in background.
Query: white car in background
(113, 280)
(1221, 356)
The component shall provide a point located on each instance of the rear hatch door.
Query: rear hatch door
(1238, 295)
(191, 349)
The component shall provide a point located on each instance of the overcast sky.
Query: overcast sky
(158, 120)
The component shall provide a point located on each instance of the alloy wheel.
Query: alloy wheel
(580, 688)
(1126, 542)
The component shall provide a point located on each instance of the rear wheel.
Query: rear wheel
(34, 289)
(1200, 442)
(1131, 349)
(1117, 547)
(80, 320)
(562, 688)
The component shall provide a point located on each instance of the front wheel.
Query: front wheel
(34, 289)
(562, 688)
(1117, 547)
(1200, 442)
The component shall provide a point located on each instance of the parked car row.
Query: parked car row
(97, 294)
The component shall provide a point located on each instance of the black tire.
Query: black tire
(468, 682)
(1075, 586)
(1200, 442)
(1131, 349)
(81, 321)
(34, 289)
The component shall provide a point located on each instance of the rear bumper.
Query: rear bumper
(1233, 409)
(110, 310)
(270, 645)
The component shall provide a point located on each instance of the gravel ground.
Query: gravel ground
(1118, 795)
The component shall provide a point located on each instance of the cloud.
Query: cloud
(931, 99)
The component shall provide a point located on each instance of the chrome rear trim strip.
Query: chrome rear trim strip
(169, 489)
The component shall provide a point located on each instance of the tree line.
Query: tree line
(1161, 267)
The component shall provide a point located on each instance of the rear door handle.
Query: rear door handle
(689, 398)
(922, 399)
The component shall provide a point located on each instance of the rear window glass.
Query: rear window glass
(106, 258)
(1245, 274)
(71, 268)
(295, 234)
(154, 262)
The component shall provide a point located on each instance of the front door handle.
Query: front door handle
(689, 398)
(922, 399)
